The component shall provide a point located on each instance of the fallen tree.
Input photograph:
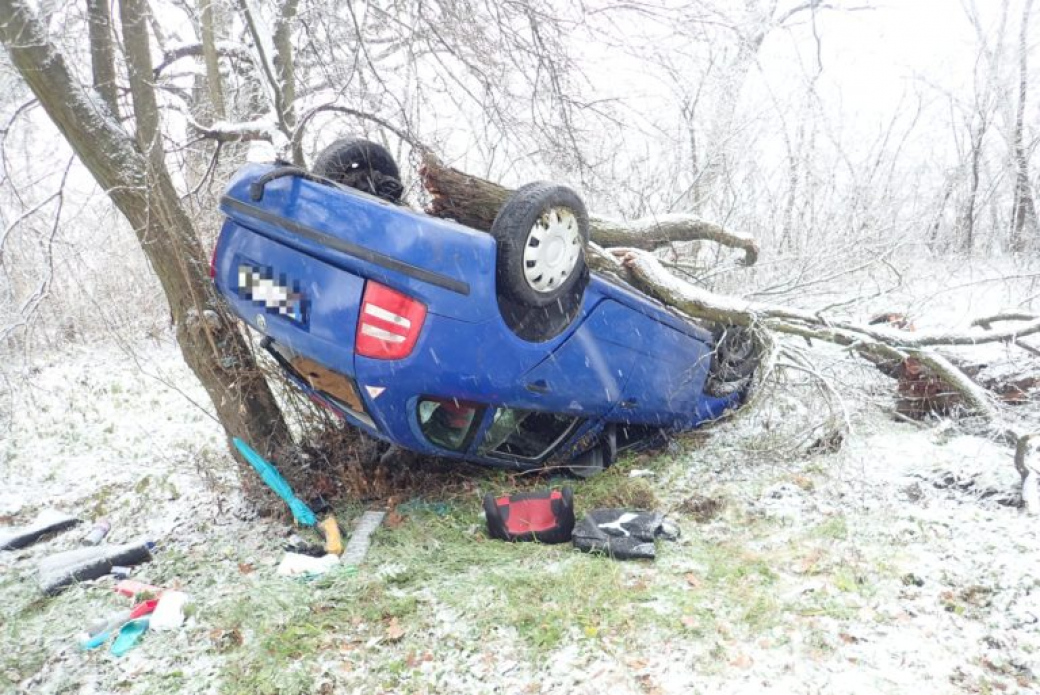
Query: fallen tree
(623, 250)
(475, 202)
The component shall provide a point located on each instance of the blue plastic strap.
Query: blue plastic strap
(270, 475)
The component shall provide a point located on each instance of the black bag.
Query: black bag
(623, 534)
(545, 517)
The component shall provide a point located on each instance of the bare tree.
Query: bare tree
(978, 125)
(132, 171)
(1024, 227)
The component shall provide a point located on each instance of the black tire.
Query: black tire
(546, 205)
(361, 164)
(733, 361)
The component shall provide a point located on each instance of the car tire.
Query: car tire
(361, 164)
(541, 233)
(733, 361)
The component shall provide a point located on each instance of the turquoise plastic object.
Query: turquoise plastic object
(95, 641)
(129, 635)
(300, 511)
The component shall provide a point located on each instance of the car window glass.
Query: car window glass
(448, 423)
(525, 433)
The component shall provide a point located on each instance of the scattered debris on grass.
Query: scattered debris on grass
(623, 534)
(47, 523)
(361, 537)
(545, 516)
(57, 572)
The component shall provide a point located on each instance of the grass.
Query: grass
(441, 583)
(834, 528)
(435, 560)
(437, 591)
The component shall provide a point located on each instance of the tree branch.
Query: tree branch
(240, 132)
(297, 138)
(226, 49)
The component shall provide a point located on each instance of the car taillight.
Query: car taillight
(213, 260)
(389, 324)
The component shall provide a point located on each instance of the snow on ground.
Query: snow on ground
(874, 569)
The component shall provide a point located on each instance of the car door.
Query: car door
(586, 374)
(667, 380)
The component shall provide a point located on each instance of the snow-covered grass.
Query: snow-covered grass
(887, 566)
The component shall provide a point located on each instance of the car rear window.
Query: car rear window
(448, 423)
(526, 434)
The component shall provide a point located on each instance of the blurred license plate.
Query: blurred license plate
(273, 291)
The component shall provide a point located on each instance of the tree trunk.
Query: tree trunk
(285, 71)
(966, 223)
(475, 202)
(208, 32)
(134, 176)
(1023, 211)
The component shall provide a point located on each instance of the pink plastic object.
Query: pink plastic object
(144, 608)
(132, 587)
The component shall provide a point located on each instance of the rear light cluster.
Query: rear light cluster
(389, 324)
(213, 260)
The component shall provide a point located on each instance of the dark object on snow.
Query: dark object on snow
(911, 579)
(46, 523)
(623, 534)
(308, 549)
(545, 517)
(58, 572)
(297, 545)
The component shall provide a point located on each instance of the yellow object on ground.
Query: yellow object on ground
(333, 539)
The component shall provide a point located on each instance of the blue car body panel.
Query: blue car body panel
(624, 358)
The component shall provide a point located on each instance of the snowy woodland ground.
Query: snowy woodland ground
(893, 565)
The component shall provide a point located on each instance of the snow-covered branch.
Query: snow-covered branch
(225, 49)
(243, 131)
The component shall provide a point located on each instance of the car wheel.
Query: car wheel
(541, 232)
(360, 164)
(733, 361)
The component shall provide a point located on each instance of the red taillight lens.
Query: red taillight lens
(213, 260)
(389, 324)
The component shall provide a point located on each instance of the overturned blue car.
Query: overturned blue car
(500, 349)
